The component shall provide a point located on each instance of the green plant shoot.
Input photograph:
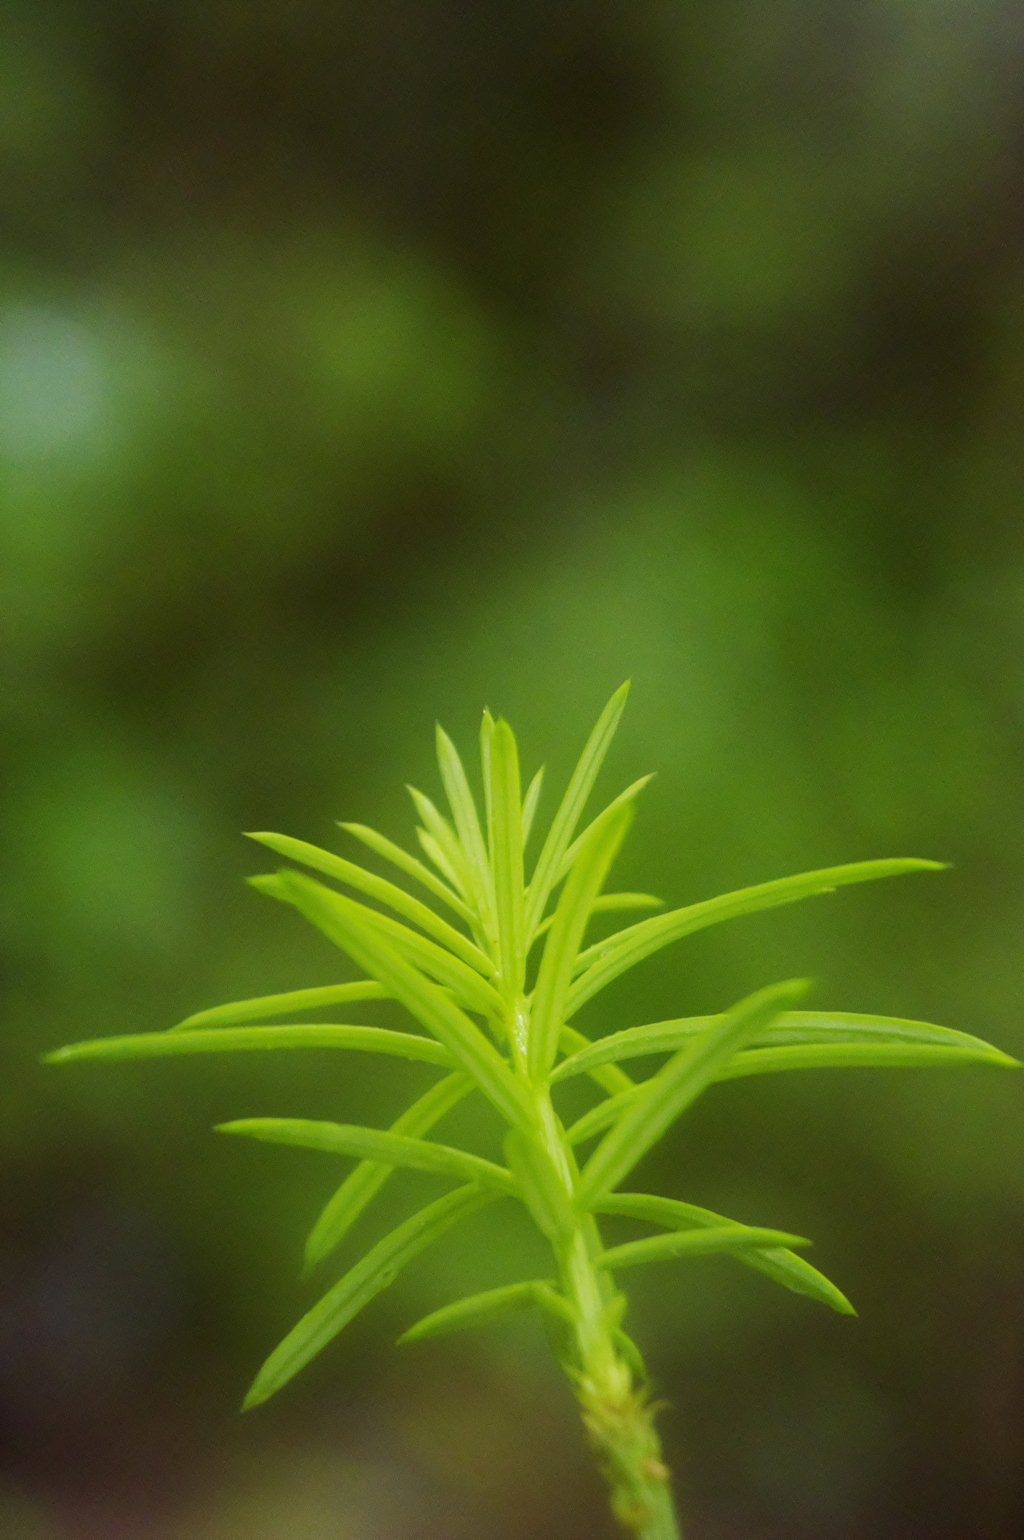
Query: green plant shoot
(494, 1016)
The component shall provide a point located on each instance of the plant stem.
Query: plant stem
(617, 1414)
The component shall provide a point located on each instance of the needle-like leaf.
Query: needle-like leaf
(453, 861)
(486, 735)
(506, 839)
(548, 1010)
(156, 1045)
(629, 795)
(384, 892)
(349, 1295)
(482, 1309)
(823, 1029)
(342, 920)
(361, 1186)
(260, 1008)
(408, 864)
(608, 959)
(568, 816)
(374, 1144)
(608, 1076)
(467, 825)
(770, 1061)
(677, 1084)
(434, 960)
(938, 1047)
(694, 1243)
(530, 803)
(435, 851)
(776, 1263)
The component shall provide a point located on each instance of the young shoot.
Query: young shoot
(492, 966)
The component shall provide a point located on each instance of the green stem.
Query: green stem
(617, 1414)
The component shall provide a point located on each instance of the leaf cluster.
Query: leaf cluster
(493, 969)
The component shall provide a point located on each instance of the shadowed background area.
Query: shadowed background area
(362, 364)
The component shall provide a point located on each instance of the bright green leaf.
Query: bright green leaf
(776, 1263)
(608, 1076)
(608, 959)
(349, 1295)
(467, 824)
(825, 1028)
(373, 1144)
(470, 988)
(694, 1243)
(343, 921)
(548, 1009)
(408, 864)
(677, 1084)
(435, 851)
(568, 815)
(506, 832)
(444, 848)
(384, 892)
(530, 803)
(482, 1309)
(769, 1061)
(629, 795)
(278, 1005)
(154, 1045)
(361, 1186)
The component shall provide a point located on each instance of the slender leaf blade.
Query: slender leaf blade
(677, 1084)
(763, 1061)
(259, 1008)
(608, 959)
(435, 851)
(782, 1266)
(491, 1305)
(408, 864)
(530, 803)
(574, 906)
(373, 1144)
(384, 892)
(611, 901)
(467, 824)
(363, 1184)
(608, 1076)
(423, 953)
(361, 1284)
(694, 1243)
(486, 734)
(157, 1045)
(506, 830)
(768, 1061)
(568, 815)
(453, 861)
(629, 795)
(792, 1029)
(343, 921)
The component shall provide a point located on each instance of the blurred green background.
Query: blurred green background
(362, 364)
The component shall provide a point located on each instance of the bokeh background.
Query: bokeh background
(363, 362)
